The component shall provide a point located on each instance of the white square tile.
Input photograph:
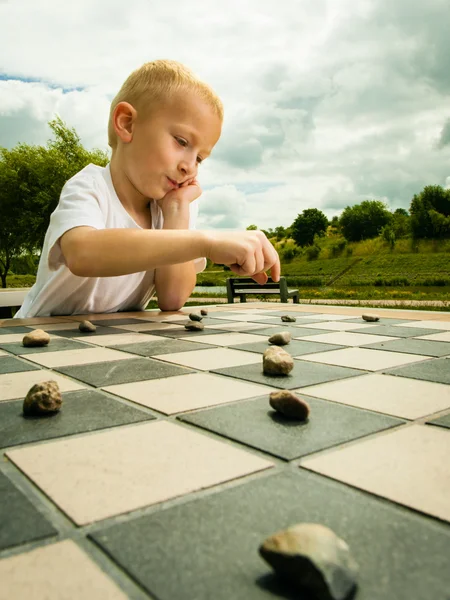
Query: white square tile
(229, 339)
(247, 317)
(16, 385)
(326, 317)
(397, 396)
(346, 339)
(338, 326)
(60, 571)
(3, 353)
(444, 325)
(206, 360)
(64, 358)
(96, 476)
(364, 358)
(436, 337)
(239, 326)
(408, 465)
(187, 392)
(145, 326)
(116, 339)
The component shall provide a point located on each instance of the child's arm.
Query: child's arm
(174, 283)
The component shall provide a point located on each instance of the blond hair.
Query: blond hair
(153, 82)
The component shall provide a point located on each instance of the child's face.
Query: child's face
(168, 145)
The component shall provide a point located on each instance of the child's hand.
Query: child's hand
(246, 252)
(187, 192)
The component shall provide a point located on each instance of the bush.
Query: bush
(338, 247)
(393, 282)
(312, 252)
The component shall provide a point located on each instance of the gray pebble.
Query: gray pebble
(194, 326)
(289, 404)
(288, 319)
(42, 398)
(195, 317)
(280, 339)
(277, 361)
(370, 317)
(313, 559)
(87, 327)
(37, 337)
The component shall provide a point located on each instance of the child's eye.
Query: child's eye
(184, 144)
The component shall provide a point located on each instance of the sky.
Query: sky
(327, 102)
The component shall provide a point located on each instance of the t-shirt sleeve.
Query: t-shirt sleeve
(78, 206)
(200, 263)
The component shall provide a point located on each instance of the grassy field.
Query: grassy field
(367, 270)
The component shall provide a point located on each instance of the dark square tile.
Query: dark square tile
(10, 364)
(329, 424)
(54, 346)
(208, 548)
(394, 331)
(168, 346)
(18, 329)
(75, 333)
(437, 370)
(304, 373)
(124, 321)
(413, 346)
(83, 410)
(20, 521)
(184, 333)
(383, 321)
(443, 421)
(122, 371)
(291, 313)
(295, 347)
(294, 330)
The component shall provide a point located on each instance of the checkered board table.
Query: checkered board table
(166, 467)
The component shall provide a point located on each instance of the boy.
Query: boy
(127, 230)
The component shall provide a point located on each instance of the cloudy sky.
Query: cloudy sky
(327, 102)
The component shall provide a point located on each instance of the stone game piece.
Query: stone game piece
(370, 317)
(288, 319)
(277, 361)
(87, 327)
(194, 326)
(42, 399)
(195, 317)
(37, 337)
(289, 404)
(312, 558)
(280, 339)
(204, 312)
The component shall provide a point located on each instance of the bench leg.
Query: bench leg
(243, 298)
(296, 300)
(5, 312)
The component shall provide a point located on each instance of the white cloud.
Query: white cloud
(327, 103)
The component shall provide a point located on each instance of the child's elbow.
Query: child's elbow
(167, 306)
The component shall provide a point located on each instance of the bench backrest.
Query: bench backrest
(247, 283)
(12, 296)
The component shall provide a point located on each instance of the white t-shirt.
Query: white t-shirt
(89, 198)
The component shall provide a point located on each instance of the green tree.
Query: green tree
(401, 223)
(280, 233)
(252, 228)
(364, 221)
(31, 179)
(424, 222)
(311, 222)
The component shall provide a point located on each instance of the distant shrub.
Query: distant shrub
(393, 282)
(337, 247)
(312, 252)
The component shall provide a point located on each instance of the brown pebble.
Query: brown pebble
(37, 337)
(87, 327)
(204, 311)
(42, 398)
(370, 317)
(194, 326)
(313, 559)
(195, 317)
(277, 361)
(289, 405)
(288, 319)
(280, 339)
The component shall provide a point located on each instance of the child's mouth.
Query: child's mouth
(173, 183)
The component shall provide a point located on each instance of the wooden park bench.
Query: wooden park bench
(242, 286)
(11, 298)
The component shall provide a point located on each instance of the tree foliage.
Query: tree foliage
(31, 179)
(311, 222)
(430, 213)
(364, 221)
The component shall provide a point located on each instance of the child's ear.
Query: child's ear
(124, 117)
